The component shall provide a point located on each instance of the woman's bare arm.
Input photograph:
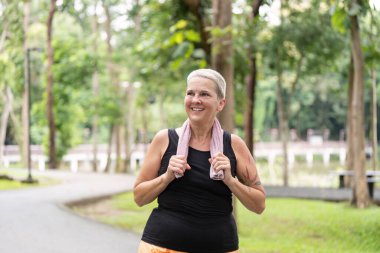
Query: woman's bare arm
(148, 184)
(247, 186)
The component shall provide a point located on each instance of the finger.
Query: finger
(222, 165)
(219, 155)
(219, 162)
(177, 162)
(178, 171)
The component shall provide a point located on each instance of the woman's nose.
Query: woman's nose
(197, 99)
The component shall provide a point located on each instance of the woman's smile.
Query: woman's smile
(197, 109)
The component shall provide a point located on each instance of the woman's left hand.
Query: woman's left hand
(221, 162)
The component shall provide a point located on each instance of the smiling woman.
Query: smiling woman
(193, 171)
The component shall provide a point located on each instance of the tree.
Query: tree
(25, 114)
(50, 97)
(372, 52)
(11, 73)
(251, 83)
(302, 46)
(355, 108)
(95, 89)
(361, 197)
(7, 108)
(222, 56)
(197, 9)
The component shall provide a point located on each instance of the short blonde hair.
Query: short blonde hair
(214, 76)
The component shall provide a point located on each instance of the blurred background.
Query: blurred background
(85, 84)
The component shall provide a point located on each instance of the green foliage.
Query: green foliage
(173, 48)
(307, 38)
(156, 46)
(339, 20)
(343, 9)
(106, 106)
(7, 68)
(73, 67)
(10, 45)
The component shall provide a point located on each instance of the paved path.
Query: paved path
(35, 220)
(330, 194)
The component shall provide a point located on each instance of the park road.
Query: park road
(36, 220)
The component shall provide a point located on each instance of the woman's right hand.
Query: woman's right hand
(177, 165)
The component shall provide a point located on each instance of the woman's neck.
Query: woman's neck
(201, 136)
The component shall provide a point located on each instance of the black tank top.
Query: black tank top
(194, 212)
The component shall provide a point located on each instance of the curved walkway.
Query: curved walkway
(35, 219)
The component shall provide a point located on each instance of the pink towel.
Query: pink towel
(216, 145)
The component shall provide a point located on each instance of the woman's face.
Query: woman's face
(201, 100)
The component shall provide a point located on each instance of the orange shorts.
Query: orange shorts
(150, 248)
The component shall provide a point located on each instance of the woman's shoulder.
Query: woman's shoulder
(159, 143)
(238, 143)
(236, 139)
(161, 135)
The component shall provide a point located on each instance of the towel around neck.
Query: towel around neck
(216, 145)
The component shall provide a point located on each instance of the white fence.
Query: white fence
(81, 157)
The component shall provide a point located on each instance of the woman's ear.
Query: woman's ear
(221, 105)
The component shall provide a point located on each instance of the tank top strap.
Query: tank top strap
(173, 143)
(173, 139)
(226, 142)
(228, 151)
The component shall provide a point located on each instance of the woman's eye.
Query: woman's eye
(205, 94)
(189, 93)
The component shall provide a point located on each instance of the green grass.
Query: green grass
(17, 176)
(10, 185)
(293, 225)
(286, 226)
(132, 217)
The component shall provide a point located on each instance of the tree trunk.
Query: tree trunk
(17, 128)
(282, 121)
(129, 137)
(95, 92)
(8, 98)
(222, 58)
(117, 139)
(373, 101)
(24, 145)
(349, 157)
(145, 121)
(374, 120)
(249, 112)
(50, 99)
(222, 61)
(251, 83)
(95, 89)
(360, 191)
(115, 85)
(109, 148)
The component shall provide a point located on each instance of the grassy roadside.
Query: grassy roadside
(18, 176)
(286, 226)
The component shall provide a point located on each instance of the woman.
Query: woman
(193, 171)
